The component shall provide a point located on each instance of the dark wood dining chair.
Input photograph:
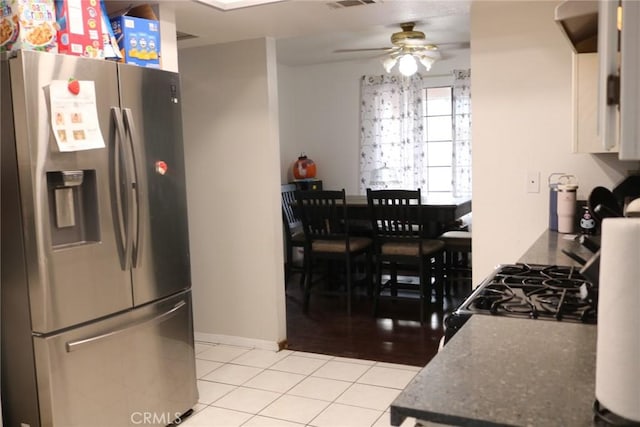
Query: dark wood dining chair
(293, 234)
(397, 223)
(457, 266)
(326, 228)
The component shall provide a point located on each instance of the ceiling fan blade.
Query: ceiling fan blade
(415, 42)
(455, 45)
(372, 49)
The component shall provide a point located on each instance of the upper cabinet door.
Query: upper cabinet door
(608, 125)
(630, 82)
(585, 105)
(619, 72)
(151, 105)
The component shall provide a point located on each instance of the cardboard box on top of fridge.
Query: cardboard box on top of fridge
(79, 27)
(109, 42)
(138, 34)
(28, 25)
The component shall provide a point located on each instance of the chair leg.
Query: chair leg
(457, 271)
(303, 273)
(368, 275)
(287, 265)
(449, 271)
(425, 289)
(439, 277)
(307, 284)
(377, 286)
(393, 274)
(349, 283)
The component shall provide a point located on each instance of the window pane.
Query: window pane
(438, 101)
(439, 128)
(440, 179)
(439, 153)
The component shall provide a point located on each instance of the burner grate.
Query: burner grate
(535, 291)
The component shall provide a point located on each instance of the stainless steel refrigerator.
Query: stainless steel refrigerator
(96, 321)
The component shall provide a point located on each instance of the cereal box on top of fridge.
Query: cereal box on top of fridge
(137, 31)
(27, 24)
(109, 42)
(79, 27)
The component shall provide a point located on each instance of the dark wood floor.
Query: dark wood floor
(395, 336)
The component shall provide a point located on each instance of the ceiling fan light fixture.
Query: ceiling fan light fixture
(389, 62)
(407, 65)
(427, 61)
(408, 48)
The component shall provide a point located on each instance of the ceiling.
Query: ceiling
(308, 31)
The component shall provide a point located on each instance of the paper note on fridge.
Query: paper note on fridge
(74, 115)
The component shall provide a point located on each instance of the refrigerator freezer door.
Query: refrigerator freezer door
(150, 100)
(73, 268)
(131, 369)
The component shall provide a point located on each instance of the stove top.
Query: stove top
(530, 291)
(534, 291)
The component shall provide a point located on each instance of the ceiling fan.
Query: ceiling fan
(409, 48)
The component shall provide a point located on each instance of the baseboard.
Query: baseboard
(238, 341)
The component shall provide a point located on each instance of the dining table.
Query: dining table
(439, 210)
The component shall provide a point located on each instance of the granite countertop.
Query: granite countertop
(547, 249)
(500, 371)
(507, 371)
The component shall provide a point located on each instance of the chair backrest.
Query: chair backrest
(290, 219)
(323, 214)
(396, 215)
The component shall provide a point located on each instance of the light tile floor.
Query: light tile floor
(258, 388)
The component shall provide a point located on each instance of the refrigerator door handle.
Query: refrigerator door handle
(124, 214)
(130, 123)
(149, 321)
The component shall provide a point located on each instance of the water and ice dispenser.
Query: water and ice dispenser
(73, 207)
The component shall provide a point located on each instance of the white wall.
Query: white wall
(168, 43)
(320, 115)
(232, 157)
(521, 94)
(521, 100)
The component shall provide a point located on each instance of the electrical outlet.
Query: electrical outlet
(533, 182)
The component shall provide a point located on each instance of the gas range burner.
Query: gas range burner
(559, 272)
(515, 269)
(561, 284)
(536, 292)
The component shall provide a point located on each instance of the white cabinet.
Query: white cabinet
(618, 35)
(585, 105)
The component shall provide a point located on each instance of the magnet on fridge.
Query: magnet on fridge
(74, 86)
(161, 167)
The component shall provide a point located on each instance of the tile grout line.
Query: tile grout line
(306, 376)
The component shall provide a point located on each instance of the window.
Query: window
(437, 113)
(414, 136)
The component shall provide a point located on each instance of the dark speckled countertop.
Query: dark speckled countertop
(547, 249)
(499, 371)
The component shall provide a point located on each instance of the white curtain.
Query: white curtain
(391, 133)
(461, 133)
(392, 148)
